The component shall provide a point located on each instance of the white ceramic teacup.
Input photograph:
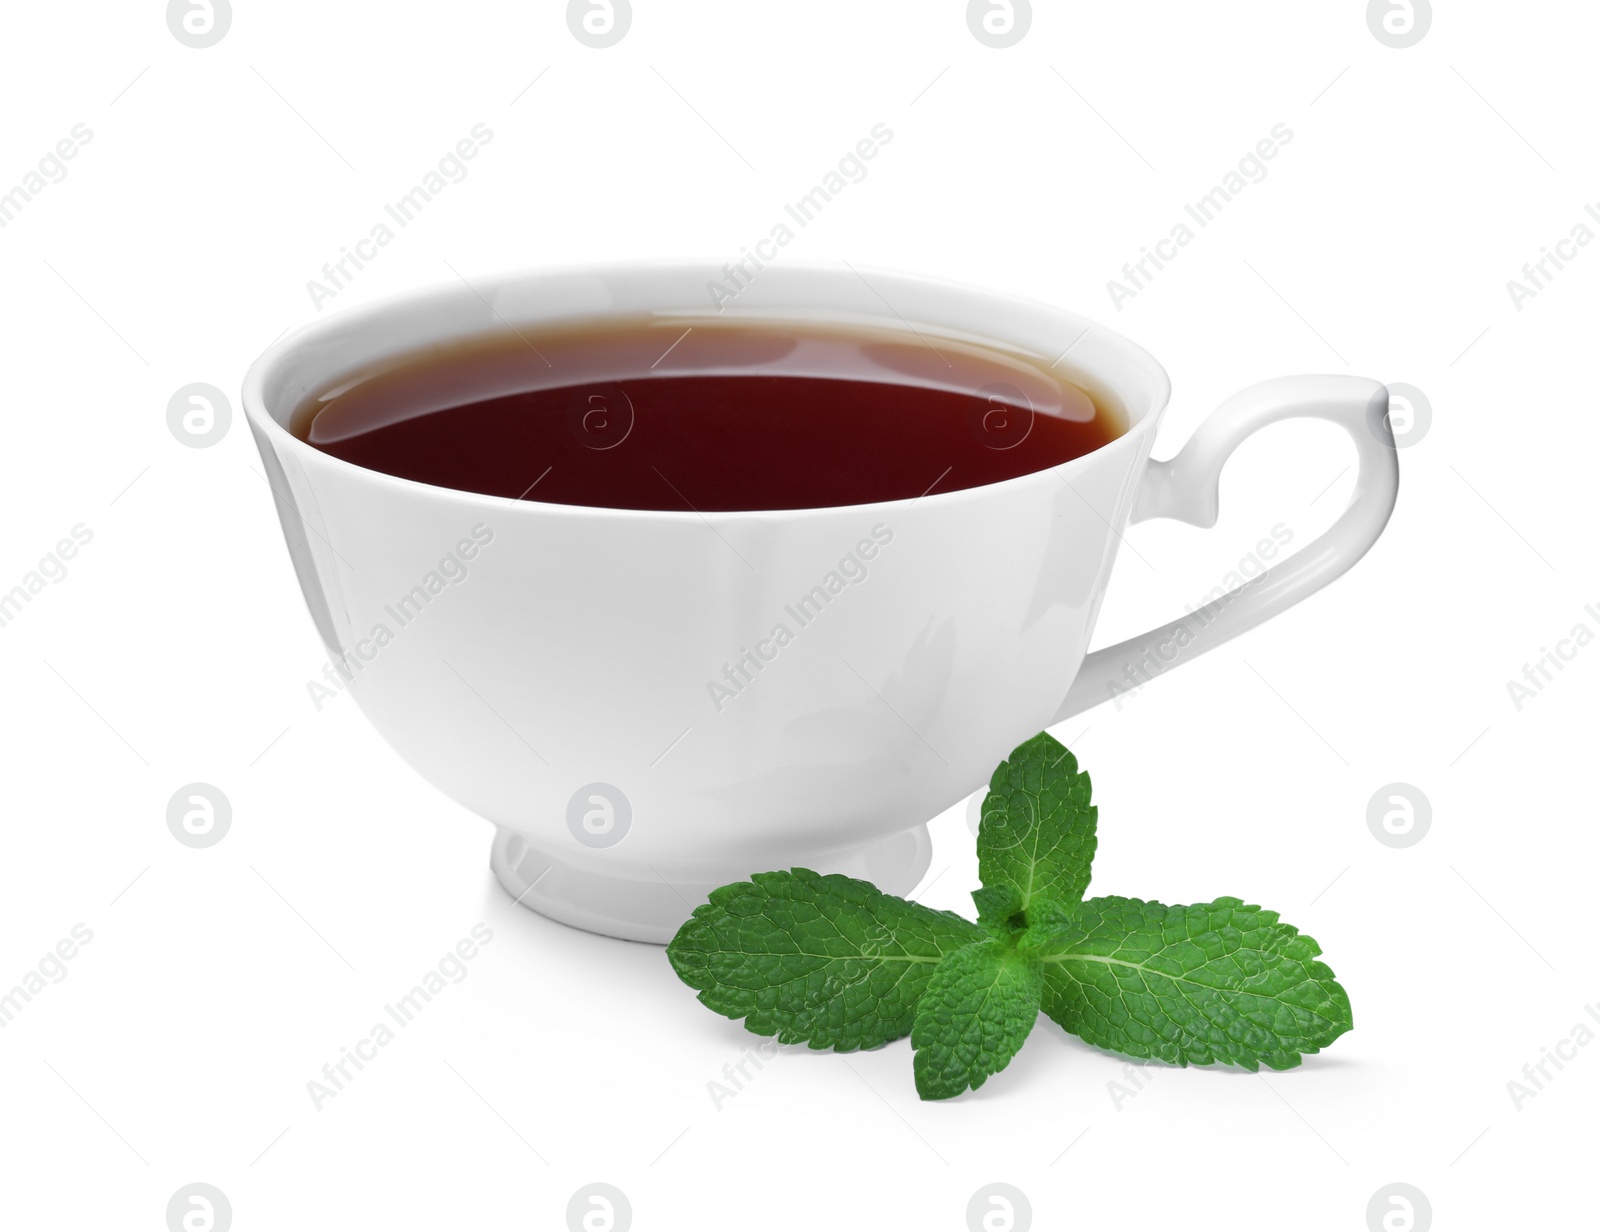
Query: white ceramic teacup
(554, 667)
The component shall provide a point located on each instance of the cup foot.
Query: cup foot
(653, 910)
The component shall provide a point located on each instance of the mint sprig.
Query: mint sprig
(977, 1010)
(835, 963)
(1191, 985)
(1037, 832)
(827, 961)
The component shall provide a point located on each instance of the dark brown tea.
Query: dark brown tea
(680, 414)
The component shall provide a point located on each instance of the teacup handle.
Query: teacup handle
(1186, 488)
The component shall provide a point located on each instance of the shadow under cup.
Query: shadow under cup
(648, 702)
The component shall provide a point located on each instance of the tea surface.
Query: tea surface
(678, 414)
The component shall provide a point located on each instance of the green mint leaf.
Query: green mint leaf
(1038, 827)
(977, 1011)
(998, 907)
(828, 961)
(1219, 981)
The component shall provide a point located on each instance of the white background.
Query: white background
(219, 981)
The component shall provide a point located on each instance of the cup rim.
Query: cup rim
(264, 421)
